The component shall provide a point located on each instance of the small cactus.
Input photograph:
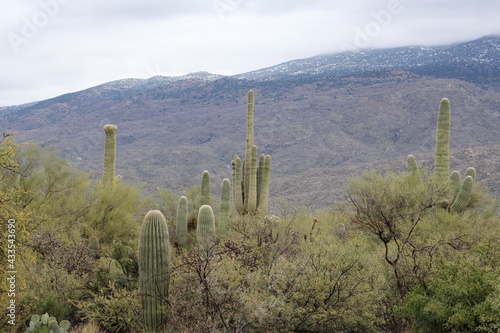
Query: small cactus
(412, 169)
(46, 324)
(225, 208)
(205, 229)
(206, 189)
(181, 222)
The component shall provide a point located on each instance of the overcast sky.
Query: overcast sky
(51, 47)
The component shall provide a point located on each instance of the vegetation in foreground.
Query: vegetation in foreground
(395, 257)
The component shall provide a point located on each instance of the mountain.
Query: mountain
(476, 61)
(323, 119)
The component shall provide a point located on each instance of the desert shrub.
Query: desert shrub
(114, 309)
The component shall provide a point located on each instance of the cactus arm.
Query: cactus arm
(454, 185)
(251, 202)
(463, 196)
(264, 192)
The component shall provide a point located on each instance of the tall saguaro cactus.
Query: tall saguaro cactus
(154, 268)
(251, 185)
(457, 194)
(108, 176)
(250, 137)
(442, 152)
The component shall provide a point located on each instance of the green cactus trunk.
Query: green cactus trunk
(264, 190)
(442, 152)
(249, 140)
(412, 169)
(225, 208)
(205, 229)
(251, 198)
(237, 186)
(463, 197)
(108, 176)
(260, 178)
(454, 185)
(181, 222)
(154, 268)
(206, 189)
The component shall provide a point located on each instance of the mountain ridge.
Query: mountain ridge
(320, 129)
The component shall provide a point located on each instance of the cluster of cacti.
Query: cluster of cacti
(457, 192)
(154, 268)
(251, 178)
(46, 324)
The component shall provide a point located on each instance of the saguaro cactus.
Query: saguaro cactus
(251, 185)
(237, 185)
(264, 185)
(181, 221)
(412, 169)
(463, 197)
(225, 207)
(456, 195)
(206, 189)
(251, 190)
(250, 138)
(442, 152)
(205, 229)
(154, 268)
(108, 176)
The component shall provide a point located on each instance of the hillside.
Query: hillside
(321, 126)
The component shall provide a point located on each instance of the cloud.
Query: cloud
(68, 45)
